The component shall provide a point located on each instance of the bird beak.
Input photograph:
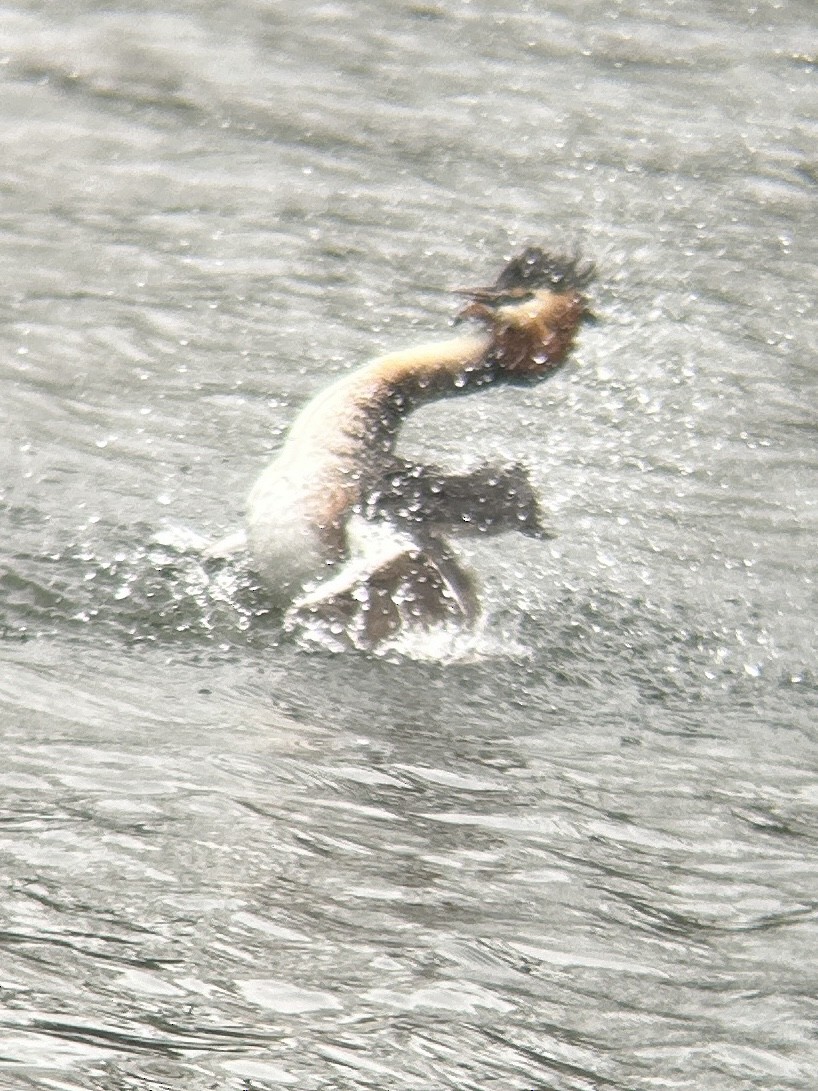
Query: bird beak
(478, 303)
(483, 301)
(482, 295)
(492, 295)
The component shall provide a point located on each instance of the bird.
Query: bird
(343, 532)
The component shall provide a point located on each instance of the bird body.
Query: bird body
(341, 530)
(333, 457)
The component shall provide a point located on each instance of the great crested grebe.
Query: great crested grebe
(342, 530)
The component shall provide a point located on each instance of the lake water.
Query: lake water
(578, 852)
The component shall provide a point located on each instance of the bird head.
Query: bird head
(533, 311)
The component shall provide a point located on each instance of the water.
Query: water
(577, 853)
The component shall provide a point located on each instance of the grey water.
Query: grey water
(577, 852)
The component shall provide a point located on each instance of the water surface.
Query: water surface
(577, 853)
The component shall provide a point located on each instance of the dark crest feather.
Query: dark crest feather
(535, 268)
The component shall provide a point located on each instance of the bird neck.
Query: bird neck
(358, 417)
(402, 381)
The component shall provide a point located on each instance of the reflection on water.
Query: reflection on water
(577, 852)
